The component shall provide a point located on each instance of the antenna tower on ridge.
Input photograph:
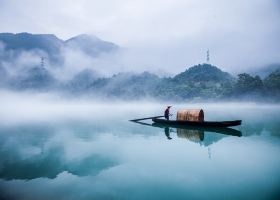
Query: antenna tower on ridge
(42, 62)
(208, 57)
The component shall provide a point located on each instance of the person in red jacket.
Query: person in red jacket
(167, 112)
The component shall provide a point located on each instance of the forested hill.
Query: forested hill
(204, 72)
(200, 82)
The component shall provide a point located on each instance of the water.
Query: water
(78, 150)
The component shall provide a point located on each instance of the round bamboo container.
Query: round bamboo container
(190, 115)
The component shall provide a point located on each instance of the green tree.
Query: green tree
(248, 85)
(272, 84)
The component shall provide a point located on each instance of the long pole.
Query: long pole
(134, 120)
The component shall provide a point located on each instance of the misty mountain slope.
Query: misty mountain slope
(265, 70)
(3, 76)
(171, 91)
(199, 81)
(35, 78)
(51, 47)
(47, 43)
(127, 85)
(272, 82)
(203, 73)
(27, 41)
(81, 81)
(90, 44)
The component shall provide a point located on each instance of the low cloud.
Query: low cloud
(166, 36)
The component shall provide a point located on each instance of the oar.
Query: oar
(134, 120)
(142, 123)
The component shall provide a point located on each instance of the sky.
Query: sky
(164, 36)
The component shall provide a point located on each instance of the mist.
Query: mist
(104, 50)
(53, 108)
(163, 36)
(50, 142)
(74, 76)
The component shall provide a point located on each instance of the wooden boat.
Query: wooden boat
(199, 123)
(221, 130)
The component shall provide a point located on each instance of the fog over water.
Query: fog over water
(25, 106)
(68, 135)
(57, 148)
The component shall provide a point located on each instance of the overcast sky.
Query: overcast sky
(160, 35)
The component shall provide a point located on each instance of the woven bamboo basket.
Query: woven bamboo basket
(190, 115)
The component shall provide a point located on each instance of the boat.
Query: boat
(188, 128)
(198, 123)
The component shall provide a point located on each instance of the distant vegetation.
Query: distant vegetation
(200, 82)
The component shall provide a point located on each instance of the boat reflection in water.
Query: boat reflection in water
(203, 135)
(198, 134)
(192, 135)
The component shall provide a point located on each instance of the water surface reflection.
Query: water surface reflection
(93, 159)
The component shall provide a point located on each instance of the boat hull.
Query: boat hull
(196, 123)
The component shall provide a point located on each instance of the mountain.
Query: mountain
(82, 80)
(126, 85)
(3, 75)
(203, 73)
(48, 45)
(91, 45)
(202, 81)
(27, 41)
(35, 78)
(265, 70)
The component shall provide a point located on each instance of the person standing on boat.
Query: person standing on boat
(166, 112)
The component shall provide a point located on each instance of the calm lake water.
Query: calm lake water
(78, 150)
